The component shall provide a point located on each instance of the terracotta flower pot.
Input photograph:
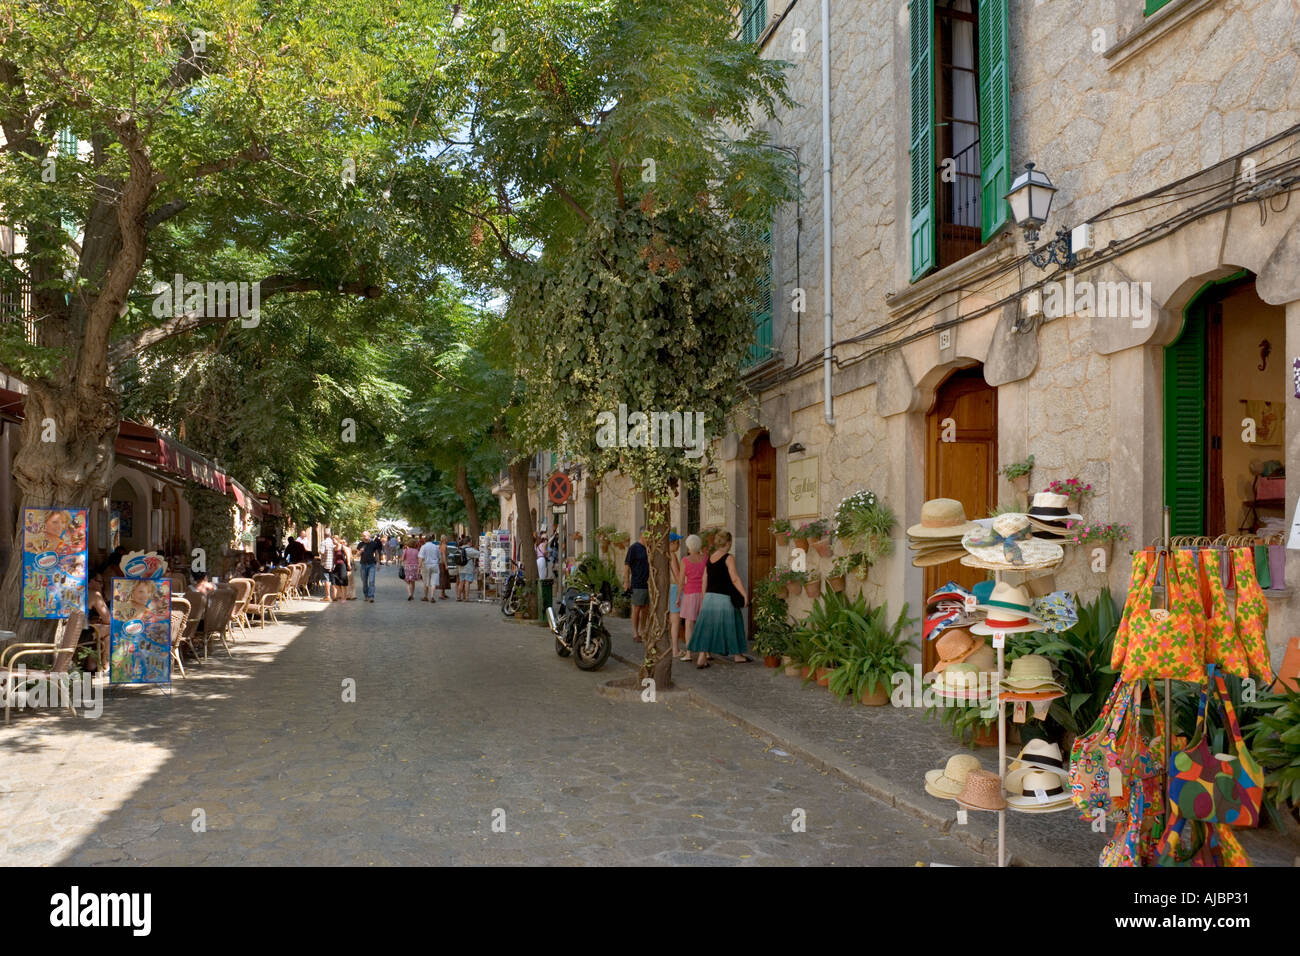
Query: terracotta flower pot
(877, 696)
(823, 546)
(804, 671)
(836, 583)
(1021, 484)
(986, 737)
(786, 660)
(801, 543)
(824, 676)
(782, 538)
(791, 670)
(813, 588)
(792, 588)
(772, 660)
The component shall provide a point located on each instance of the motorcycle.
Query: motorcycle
(580, 630)
(512, 590)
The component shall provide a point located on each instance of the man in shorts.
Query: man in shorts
(636, 578)
(429, 568)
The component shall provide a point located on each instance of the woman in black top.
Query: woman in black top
(720, 628)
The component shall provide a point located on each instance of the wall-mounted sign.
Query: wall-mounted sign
(140, 631)
(54, 562)
(801, 488)
(714, 496)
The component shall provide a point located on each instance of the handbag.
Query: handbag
(1141, 565)
(401, 572)
(1195, 843)
(1140, 763)
(1252, 613)
(1221, 644)
(1277, 563)
(1216, 788)
(1168, 644)
(1092, 758)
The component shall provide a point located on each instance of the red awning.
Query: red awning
(271, 506)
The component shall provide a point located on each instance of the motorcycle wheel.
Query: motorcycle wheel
(601, 645)
(561, 649)
(510, 603)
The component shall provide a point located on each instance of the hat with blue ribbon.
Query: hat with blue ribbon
(1010, 543)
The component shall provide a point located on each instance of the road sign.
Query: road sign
(559, 488)
(559, 509)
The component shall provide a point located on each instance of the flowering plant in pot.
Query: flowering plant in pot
(1098, 535)
(868, 523)
(873, 652)
(812, 586)
(816, 532)
(781, 528)
(1018, 474)
(794, 581)
(1072, 488)
(839, 571)
(772, 627)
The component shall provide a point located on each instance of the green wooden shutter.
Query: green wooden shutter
(753, 18)
(1153, 6)
(921, 140)
(761, 306)
(995, 114)
(1185, 454)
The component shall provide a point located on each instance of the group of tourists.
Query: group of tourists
(705, 592)
(439, 563)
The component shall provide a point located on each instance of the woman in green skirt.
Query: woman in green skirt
(720, 628)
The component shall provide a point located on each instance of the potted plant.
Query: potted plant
(817, 533)
(1274, 740)
(1092, 536)
(771, 618)
(839, 571)
(868, 523)
(604, 537)
(1074, 489)
(821, 636)
(1018, 474)
(781, 528)
(622, 605)
(812, 584)
(874, 651)
(798, 649)
(794, 581)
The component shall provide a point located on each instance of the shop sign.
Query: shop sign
(802, 485)
(714, 495)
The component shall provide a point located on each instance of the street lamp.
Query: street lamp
(1030, 197)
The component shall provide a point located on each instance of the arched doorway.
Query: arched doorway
(961, 462)
(133, 517)
(762, 511)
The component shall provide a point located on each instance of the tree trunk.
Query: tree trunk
(70, 471)
(658, 663)
(524, 528)
(471, 505)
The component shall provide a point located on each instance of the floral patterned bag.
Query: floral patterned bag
(1094, 756)
(1252, 613)
(1139, 828)
(1168, 644)
(1221, 645)
(1142, 561)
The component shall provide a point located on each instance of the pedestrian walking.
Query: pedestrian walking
(693, 568)
(453, 564)
(720, 628)
(468, 570)
(636, 581)
(327, 549)
(343, 586)
(444, 567)
(429, 569)
(674, 589)
(410, 569)
(371, 554)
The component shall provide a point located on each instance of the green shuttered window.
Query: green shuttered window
(995, 112)
(761, 308)
(1185, 454)
(753, 18)
(921, 137)
(1153, 6)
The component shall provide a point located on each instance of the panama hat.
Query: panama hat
(1032, 790)
(1008, 544)
(941, 518)
(959, 682)
(985, 658)
(1039, 754)
(1032, 672)
(1008, 610)
(953, 646)
(983, 791)
(947, 783)
(932, 556)
(1049, 508)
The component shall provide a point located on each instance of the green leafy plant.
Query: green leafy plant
(873, 651)
(869, 523)
(1274, 740)
(824, 630)
(812, 530)
(772, 627)
(594, 572)
(781, 526)
(1072, 488)
(1018, 469)
(964, 721)
(1081, 533)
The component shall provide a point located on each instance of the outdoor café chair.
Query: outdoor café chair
(244, 588)
(267, 596)
(61, 649)
(217, 617)
(198, 604)
(180, 621)
(286, 581)
(300, 571)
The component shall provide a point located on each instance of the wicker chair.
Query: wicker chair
(61, 649)
(244, 589)
(300, 571)
(217, 617)
(180, 622)
(286, 583)
(198, 605)
(266, 596)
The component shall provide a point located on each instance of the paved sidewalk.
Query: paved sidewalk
(886, 750)
(461, 718)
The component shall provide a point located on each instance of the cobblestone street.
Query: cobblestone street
(460, 716)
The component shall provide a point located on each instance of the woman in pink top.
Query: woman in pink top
(410, 567)
(693, 567)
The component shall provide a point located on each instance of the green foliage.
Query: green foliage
(868, 524)
(873, 651)
(781, 526)
(352, 513)
(772, 626)
(211, 524)
(1274, 740)
(1081, 657)
(1018, 469)
(824, 631)
(594, 572)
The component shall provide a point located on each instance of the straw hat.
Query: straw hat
(1009, 545)
(932, 556)
(947, 783)
(960, 682)
(1051, 509)
(983, 791)
(1008, 610)
(956, 644)
(942, 518)
(1032, 672)
(1031, 790)
(1039, 754)
(985, 658)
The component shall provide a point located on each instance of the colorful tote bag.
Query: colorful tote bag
(1252, 613)
(1216, 788)
(1221, 645)
(1095, 755)
(1138, 831)
(1195, 843)
(1168, 644)
(1142, 561)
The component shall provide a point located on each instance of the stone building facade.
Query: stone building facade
(1173, 134)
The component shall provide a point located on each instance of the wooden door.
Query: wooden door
(762, 509)
(964, 468)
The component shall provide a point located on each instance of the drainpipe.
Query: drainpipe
(827, 226)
